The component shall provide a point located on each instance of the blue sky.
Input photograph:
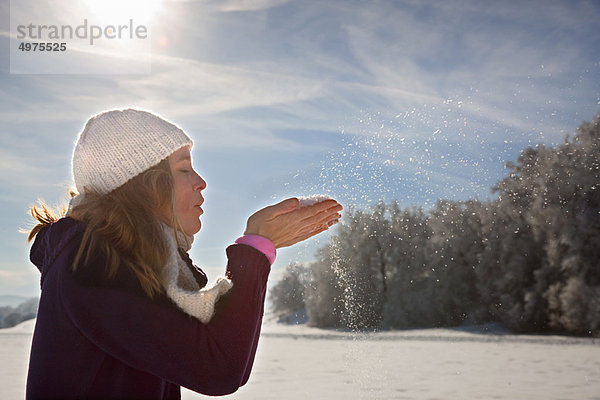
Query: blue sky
(365, 101)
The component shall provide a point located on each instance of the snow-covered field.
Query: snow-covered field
(298, 362)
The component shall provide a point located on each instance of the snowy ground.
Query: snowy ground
(297, 362)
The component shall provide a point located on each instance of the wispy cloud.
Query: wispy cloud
(246, 5)
(235, 5)
(466, 54)
(385, 59)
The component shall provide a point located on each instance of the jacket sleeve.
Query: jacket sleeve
(156, 337)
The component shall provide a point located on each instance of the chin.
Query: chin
(192, 229)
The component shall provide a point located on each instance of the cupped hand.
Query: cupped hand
(285, 223)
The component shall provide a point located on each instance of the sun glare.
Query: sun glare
(117, 11)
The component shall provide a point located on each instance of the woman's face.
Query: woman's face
(188, 186)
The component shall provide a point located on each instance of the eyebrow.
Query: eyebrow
(186, 157)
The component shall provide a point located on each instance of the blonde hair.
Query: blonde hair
(124, 226)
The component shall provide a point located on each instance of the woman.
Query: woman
(123, 311)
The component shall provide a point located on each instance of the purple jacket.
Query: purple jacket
(103, 338)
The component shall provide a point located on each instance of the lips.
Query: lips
(199, 206)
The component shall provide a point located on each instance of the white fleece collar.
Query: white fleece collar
(181, 286)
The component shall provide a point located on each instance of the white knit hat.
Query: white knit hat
(117, 145)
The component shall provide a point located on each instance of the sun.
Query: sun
(117, 11)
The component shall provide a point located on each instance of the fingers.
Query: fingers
(287, 205)
(312, 214)
(316, 225)
(322, 206)
(285, 223)
(292, 204)
(319, 210)
(282, 207)
(305, 236)
(319, 225)
(324, 217)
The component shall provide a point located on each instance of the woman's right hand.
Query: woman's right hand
(285, 223)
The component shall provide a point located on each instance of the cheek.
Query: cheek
(184, 207)
(183, 196)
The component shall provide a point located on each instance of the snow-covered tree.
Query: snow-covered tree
(324, 295)
(357, 258)
(453, 250)
(566, 219)
(287, 296)
(409, 302)
(551, 199)
(11, 316)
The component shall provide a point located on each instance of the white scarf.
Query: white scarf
(181, 286)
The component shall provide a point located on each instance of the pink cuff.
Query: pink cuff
(261, 244)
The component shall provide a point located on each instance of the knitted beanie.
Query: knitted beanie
(117, 145)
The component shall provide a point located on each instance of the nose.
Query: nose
(200, 184)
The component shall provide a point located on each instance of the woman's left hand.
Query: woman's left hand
(285, 223)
